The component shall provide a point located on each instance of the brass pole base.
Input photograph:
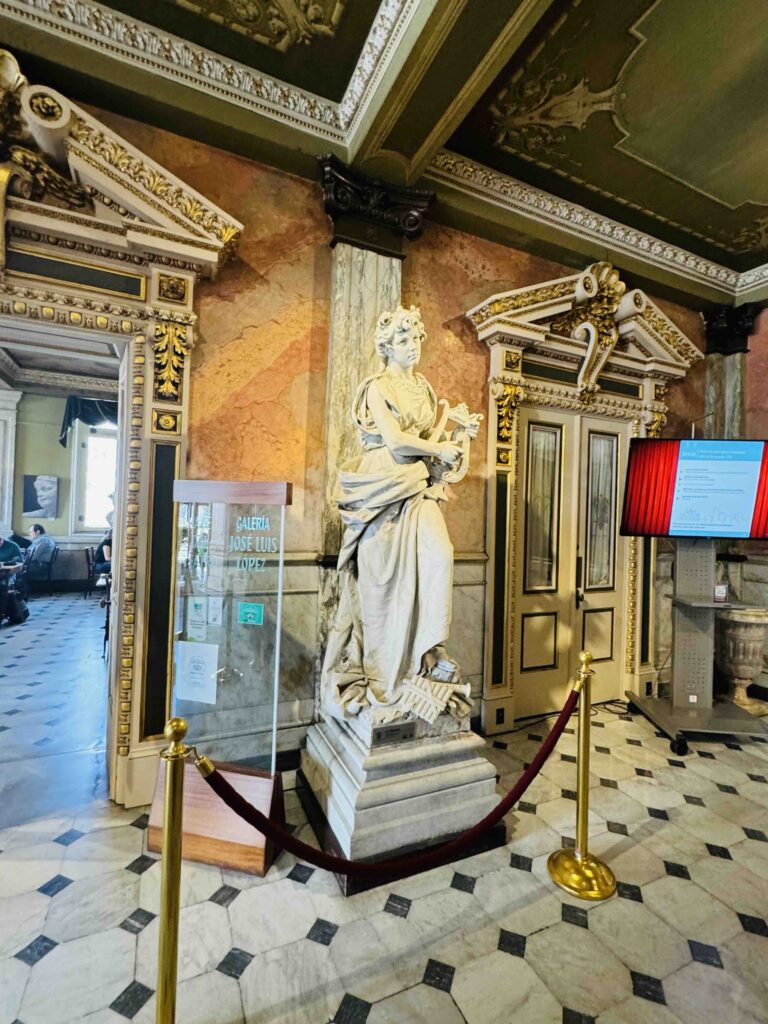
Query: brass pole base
(585, 877)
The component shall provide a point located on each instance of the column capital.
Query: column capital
(727, 328)
(9, 398)
(371, 213)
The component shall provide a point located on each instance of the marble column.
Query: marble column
(727, 330)
(9, 401)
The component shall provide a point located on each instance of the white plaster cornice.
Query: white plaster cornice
(132, 41)
(539, 207)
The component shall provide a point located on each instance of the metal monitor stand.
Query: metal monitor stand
(691, 708)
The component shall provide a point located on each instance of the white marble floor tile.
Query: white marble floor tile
(452, 926)
(629, 860)
(205, 938)
(211, 998)
(745, 956)
(700, 994)
(21, 920)
(691, 911)
(614, 805)
(500, 988)
(732, 884)
(528, 835)
(373, 958)
(98, 853)
(518, 901)
(24, 868)
(578, 969)
(639, 938)
(13, 979)
(79, 977)
(560, 814)
(198, 883)
(651, 793)
(295, 984)
(93, 904)
(638, 1011)
(705, 825)
(715, 771)
(271, 915)
(421, 1004)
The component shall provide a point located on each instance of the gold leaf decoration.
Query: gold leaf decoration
(170, 352)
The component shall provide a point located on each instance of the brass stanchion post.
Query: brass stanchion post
(577, 870)
(170, 878)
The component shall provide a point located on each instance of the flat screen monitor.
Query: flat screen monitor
(707, 488)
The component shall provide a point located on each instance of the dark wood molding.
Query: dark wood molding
(728, 328)
(369, 212)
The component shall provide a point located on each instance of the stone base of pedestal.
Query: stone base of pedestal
(374, 802)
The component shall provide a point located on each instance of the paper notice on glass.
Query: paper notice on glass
(196, 616)
(196, 669)
(215, 611)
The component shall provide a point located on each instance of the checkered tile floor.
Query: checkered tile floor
(489, 940)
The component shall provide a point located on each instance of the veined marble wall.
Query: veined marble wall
(259, 373)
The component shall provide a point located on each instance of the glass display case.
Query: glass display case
(227, 613)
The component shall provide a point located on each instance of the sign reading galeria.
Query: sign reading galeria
(251, 541)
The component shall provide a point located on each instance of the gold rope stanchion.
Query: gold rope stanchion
(170, 879)
(575, 869)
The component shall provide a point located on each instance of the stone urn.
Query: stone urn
(739, 640)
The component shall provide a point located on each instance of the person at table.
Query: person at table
(38, 555)
(102, 561)
(10, 558)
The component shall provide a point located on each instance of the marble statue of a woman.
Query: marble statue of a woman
(386, 646)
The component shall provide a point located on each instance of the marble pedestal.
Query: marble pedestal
(376, 791)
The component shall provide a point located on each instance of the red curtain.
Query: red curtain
(760, 515)
(651, 487)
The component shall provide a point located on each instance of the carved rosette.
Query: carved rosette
(171, 349)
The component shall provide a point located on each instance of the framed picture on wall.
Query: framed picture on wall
(41, 497)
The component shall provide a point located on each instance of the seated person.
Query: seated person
(40, 552)
(103, 558)
(10, 560)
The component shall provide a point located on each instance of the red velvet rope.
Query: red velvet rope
(397, 867)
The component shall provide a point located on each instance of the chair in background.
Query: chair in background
(32, 572)
(90, 563)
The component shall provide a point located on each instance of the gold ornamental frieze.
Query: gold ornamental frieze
(553, 292)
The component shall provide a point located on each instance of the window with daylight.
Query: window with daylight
(95, 476)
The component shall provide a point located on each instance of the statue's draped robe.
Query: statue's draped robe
(396, 559)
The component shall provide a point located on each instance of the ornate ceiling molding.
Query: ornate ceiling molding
(24, 378)
(541, 207)
(132, 41)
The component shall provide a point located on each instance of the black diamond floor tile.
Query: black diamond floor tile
(512, 943)
(526, 808)
(705, 954)
(677, 870)
(646, 987)
(439, 975)
(719, 851)
(568, 758)
(397, 905)
(734, 746)
(756, 833)
(756, 778)
(695, 800)
(517, 860)
(633, 742)
(575, 1017)
(535, 737)
(597, 725)
(644, 773)
(141, 822)
(55, 885)
(568, 842)
(618, 828)
(575, 915)
(706, 753)
(568, 794)
(609, 783)
(235, 962)
(727, 789)
(36, 950)
(658, 812)
(499, 745)
(571, 732)
(137, 921)
(131, 1000)
(225, 895)
(754, 925)
(69, 837)
(322, 932)
(672, 762)
(628, 891)
(464, 883)
(301, 873)
(141, 864)
(352, 1011)
(603, 750)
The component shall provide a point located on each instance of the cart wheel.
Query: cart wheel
(679, 746)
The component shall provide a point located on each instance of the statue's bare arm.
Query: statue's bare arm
(400, 443)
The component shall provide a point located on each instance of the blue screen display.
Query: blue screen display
(715, 488)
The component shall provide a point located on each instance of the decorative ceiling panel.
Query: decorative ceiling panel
(279, 24)
(311, 44)
(649, 111)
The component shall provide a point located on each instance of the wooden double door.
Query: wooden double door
(571, 571)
